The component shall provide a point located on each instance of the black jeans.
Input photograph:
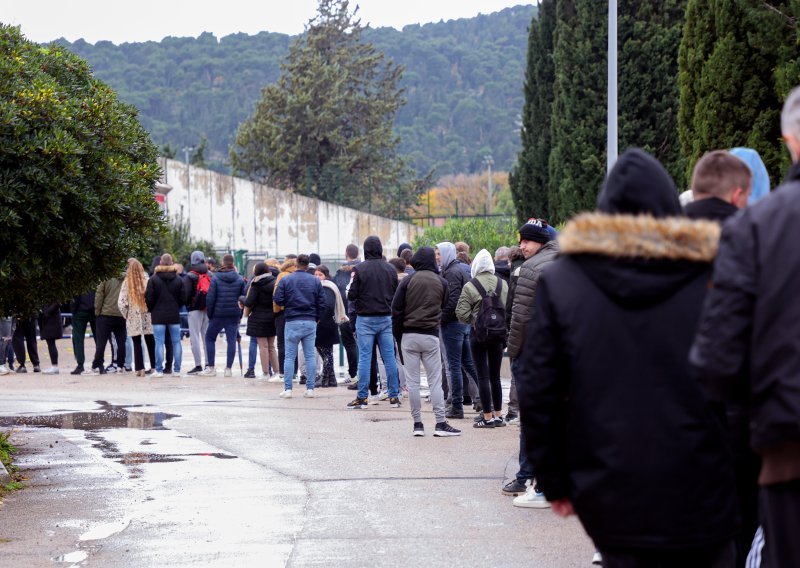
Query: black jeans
(351, 348)
(53, 351)
(106, 326)
(26, 334)
(280, 327)
(780, 517)
(488, 357)
(138, 356)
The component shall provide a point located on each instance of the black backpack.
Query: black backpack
(491, 322)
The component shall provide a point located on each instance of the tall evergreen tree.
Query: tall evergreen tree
(728, 57)
(529, 180)
(577, 160)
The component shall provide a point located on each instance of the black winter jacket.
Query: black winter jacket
(83, 303)
(327, 330)
(456, 279)
(164, 296)
(712, 208)
(342, 279)
(261, 321)
(374, 283)
(223, 295)
(612, 418)
(527, 277)
(420, 298)
(193, 303)
(745, 351)
(50, 322)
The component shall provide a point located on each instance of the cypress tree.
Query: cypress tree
(578, 128)
(529, 179)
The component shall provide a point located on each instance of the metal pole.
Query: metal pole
(186, 150)
(613, 142)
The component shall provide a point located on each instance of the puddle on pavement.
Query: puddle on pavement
(111, 417)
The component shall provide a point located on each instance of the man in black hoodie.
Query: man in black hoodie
(342, 279)
(721, 185)
(371, 292)
(746, 352)
(416, 313)
(615, 428)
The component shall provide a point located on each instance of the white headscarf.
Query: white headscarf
(482, 263)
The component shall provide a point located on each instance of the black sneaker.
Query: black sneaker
(358, 403)
(419, 429)
(128, 369)
(250, 374)
(444, 429)
(514, 488)
(167, 370)
(112, 368)
(195, 371)
(303, 379)
(78, 370)
(478, 407)
(394, 402)
(457, 413)
(483, 423)
(37, 369)
(467, 401)
(510, 416)
(22, 369)
(499, 422)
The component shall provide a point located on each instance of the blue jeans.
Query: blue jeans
(252, 354)
(298, 331)
(456, 345)
(159, 331)
(231, 327)
(370, 329)
(525, 468)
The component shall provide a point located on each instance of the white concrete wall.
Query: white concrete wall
(235, 213)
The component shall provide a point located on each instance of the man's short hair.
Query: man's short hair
(289, 257)
(303, 260)
(718, 173)
(227, 260)
(406, 255)
(501, 254)
(399, 264)
(351, 251)
(790, 116)
(461, 246)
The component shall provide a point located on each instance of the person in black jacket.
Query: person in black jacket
(82, 308)
(721, 185)
(371, 292)
(164, 297)
(342, 279)
(455, 335)
(51, 329)
(746, 352)
(327, 328)
(616, 429)
(261, 318)
(416, 315)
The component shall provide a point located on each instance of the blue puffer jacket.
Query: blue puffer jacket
(223, 295)
(301, 296)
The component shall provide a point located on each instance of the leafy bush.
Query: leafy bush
(7, 449)
(489, 233)
(77, 173)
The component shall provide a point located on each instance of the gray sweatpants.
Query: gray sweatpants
(416, 347)
(198, 326)
(7, 326)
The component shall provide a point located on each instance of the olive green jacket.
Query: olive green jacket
(469, 302)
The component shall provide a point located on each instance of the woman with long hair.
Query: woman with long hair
(261, 318)
(137, 317)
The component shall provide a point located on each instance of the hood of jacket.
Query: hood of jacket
(760, 186)
(167, 272)
(447, 251)
(639, 260)
(201, 268)
(425, 259)
(482, 262)
(712, 208)
(227, 275)
(263, 280)
(373, 248)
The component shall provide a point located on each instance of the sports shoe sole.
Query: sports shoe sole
(419, 433)
(443, 434)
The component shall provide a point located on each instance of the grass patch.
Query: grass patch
(7, 450)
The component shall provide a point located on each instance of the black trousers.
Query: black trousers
(138, 356)
(351, 348)
(106, 326)
(280, 327)
(717, 556)
(780, 518)
(488, 358)
(53, 351)
(26, 334)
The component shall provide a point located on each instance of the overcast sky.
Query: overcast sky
(95, 20)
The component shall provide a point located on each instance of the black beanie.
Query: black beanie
(535, 230)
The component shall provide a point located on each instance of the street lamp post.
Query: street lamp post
(489, 161)
(186, 150)
(612, 145)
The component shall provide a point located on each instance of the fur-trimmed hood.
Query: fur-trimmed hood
(639, 259)
(289, 264)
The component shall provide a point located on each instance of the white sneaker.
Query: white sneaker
(176, 374)
(374, 399)
(286, 394)
(275, 378)
(384, 395)
(263, 377)
(50, 371)
(531, 499)
(91, 372)
(228, 372)
(4, 370)
(597, 559)
(309, 393)
(157, 375)
(208, 372)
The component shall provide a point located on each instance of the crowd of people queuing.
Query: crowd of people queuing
(654, 365)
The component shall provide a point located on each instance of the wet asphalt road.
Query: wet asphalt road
(221, 472)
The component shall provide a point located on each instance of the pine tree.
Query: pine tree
(578, 128)
(529, 180)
